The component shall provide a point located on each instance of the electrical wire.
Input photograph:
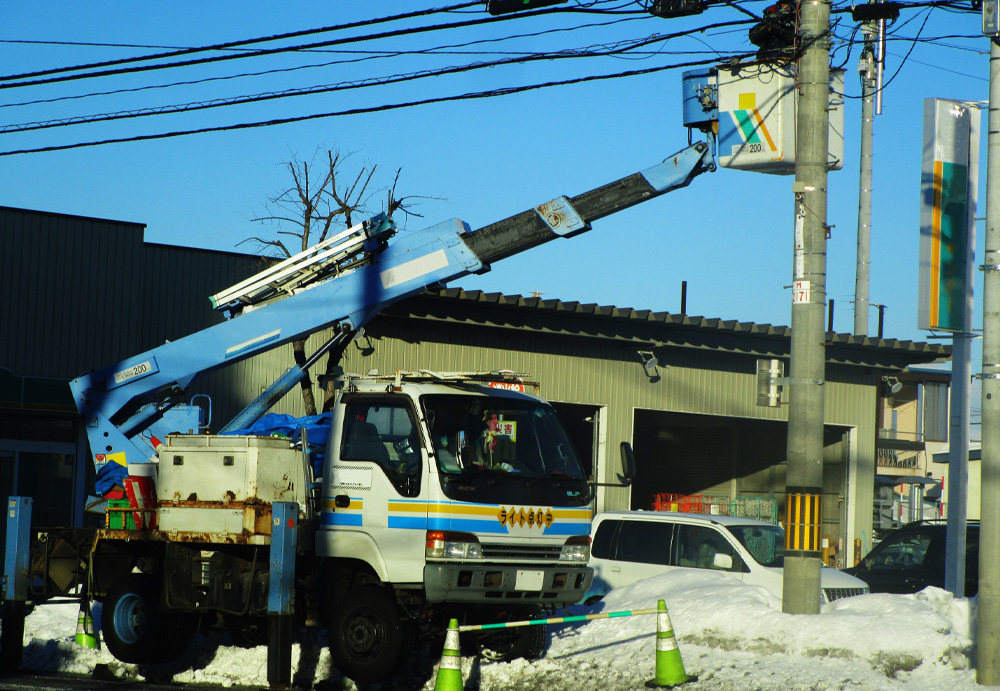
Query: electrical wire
(370, 81)
(274, 51)
(626, 50)
(233, 44)
(614, 49)
(367, 55)
(373, 109)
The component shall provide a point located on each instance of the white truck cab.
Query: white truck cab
(629, 546)
(456, 486)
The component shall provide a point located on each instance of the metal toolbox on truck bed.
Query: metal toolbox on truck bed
(226, 484)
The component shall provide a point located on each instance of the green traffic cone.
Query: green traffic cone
(85, 635)
(449, 676)
(669, 666)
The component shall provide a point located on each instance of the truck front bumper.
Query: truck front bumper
(482, 583)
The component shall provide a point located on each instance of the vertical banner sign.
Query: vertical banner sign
(948, 184)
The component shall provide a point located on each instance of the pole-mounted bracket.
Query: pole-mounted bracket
(788, 380)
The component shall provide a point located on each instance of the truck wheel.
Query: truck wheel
(177, 632)
(504, 645)
(369, 641)
(131, 620)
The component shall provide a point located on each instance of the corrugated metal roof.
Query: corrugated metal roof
(915, 350)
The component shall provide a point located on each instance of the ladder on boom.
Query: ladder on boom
(328, 259)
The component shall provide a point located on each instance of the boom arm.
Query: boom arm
(366, 277)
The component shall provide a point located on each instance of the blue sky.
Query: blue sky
(729, 234)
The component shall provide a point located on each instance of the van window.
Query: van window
(696, 546)
(645, 542)
(766, 543)
(602, 539)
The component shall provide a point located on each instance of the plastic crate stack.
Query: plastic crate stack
(677, 502)
(760, 508)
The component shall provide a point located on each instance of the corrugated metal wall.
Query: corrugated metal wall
(610, 375)
(82, 293)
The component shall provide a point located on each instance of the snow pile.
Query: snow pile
(732, 636)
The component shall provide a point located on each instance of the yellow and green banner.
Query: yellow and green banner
(949, 178)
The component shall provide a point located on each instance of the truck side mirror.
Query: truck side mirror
(626, 476)
(628, 465)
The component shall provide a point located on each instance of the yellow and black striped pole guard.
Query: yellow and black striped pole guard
(803, 518)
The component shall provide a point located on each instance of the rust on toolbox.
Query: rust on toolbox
(261, 512)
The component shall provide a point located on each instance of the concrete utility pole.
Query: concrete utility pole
(867, 70)
(988, 667)
(804, 477)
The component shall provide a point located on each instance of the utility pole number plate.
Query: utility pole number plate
(800, 292)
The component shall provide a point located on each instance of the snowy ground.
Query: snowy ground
(732, 636)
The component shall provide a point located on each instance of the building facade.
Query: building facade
(682, 390)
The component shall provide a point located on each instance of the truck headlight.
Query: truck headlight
(577, 548)
(445, 544)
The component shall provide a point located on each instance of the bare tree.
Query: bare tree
(321, 200)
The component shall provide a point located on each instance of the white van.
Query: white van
(631, 545)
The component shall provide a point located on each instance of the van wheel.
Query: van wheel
(504, 645)
(131, 620)
(369, 640)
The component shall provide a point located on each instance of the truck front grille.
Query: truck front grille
(840, 593)
(521, 552)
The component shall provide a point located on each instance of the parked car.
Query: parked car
(631, 545)
(912, 557)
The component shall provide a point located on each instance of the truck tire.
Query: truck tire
(504, 645)
(369, 640)
(132, 623)
(178, 633)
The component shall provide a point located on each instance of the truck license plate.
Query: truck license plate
(529, 580)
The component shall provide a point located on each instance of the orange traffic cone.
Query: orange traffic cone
(669, 666)
(449, 676)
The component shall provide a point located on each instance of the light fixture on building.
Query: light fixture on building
(649, 363)
(892, 385)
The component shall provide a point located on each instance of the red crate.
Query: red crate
(678, 502)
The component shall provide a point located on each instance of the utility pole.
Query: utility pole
(873, 16)
(804, 476)
(988, 625)
(867, 69)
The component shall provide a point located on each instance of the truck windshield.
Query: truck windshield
(766, 543)
(498, 449)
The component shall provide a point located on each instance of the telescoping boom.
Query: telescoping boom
(341, 283)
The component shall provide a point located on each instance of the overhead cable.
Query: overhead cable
(618, 49)
(233, 44)
(373, 109)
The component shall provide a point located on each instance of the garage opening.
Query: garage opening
(580, 421)
(684, 453)
(689, 454)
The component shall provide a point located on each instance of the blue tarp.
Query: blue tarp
(279, 425)
(108, 476)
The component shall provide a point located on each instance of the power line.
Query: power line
(617, 49)
(368, 55)
(234, 44)
(288, 49)
(373, 109)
